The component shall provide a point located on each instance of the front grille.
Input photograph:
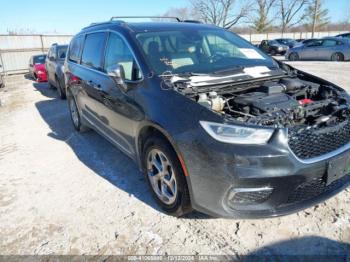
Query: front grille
(314, 188)
(309, 143)
(251, 197)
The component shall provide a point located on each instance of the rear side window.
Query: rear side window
(93, 50)
(75, 48)
(329, 42)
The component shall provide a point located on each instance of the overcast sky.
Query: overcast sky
(69, 16)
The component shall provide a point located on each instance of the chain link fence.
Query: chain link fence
(15, 50)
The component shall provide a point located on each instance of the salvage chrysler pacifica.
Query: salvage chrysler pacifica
(215, 124)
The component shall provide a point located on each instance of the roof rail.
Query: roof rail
(135, 17)
(192, 21)
(102, 23)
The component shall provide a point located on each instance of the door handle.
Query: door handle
(94, 85)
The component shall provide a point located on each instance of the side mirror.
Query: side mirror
(118, 75)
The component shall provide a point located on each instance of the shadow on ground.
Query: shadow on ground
(311, 248)
(45, 90)
(95, 151)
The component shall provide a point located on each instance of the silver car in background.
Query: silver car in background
(328, 48)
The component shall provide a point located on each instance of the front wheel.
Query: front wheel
(165, 177)
(293, 57)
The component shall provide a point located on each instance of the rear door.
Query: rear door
(92, 76)
(311, 50)
(329, 47)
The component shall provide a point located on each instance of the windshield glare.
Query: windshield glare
(199, 51)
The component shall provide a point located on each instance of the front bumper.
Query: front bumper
(279, 183)
(281, 52)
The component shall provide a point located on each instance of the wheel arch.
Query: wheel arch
(151, 129)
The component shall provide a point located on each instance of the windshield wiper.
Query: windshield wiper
(185, 74)
(230, 70)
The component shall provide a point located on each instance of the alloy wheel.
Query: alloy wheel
(161, 175)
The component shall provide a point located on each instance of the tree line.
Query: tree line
(260, 16)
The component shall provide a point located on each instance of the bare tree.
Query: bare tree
(290, 13)
(262, 21)
(224, 13)
(183, 13)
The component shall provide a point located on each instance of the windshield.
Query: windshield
(273, 42)
(61, 52)
(287, 41)
(40, 59)
(199, 51)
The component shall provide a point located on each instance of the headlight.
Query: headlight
(237, 134)
(280, 48)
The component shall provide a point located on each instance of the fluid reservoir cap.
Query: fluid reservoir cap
(213, 94)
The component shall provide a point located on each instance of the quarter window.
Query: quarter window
(328, 42)
(93, 50)
(118, 53)
(75, 48)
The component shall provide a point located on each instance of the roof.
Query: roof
(161, 26)
(333, 38)
(147, 26)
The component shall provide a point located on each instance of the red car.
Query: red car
(37, 68)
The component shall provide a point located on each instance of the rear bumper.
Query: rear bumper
(41, 77)
(239, 181)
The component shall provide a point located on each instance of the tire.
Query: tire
(50, 85)
(293, 57)
(60, 91)
(165, 177)
(337, 57)
(75, 114)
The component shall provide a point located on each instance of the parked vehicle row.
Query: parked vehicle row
(214, 123)
(329, 48)
(49, 68)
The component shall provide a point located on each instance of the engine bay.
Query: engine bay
(288, 101)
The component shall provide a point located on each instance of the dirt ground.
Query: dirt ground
(62, 192)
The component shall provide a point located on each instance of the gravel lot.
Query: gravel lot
(67, 193)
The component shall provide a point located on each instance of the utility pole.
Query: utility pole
(315, 17)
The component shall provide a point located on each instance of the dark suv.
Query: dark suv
(214, 123)
(273, 47)
(54, 68)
